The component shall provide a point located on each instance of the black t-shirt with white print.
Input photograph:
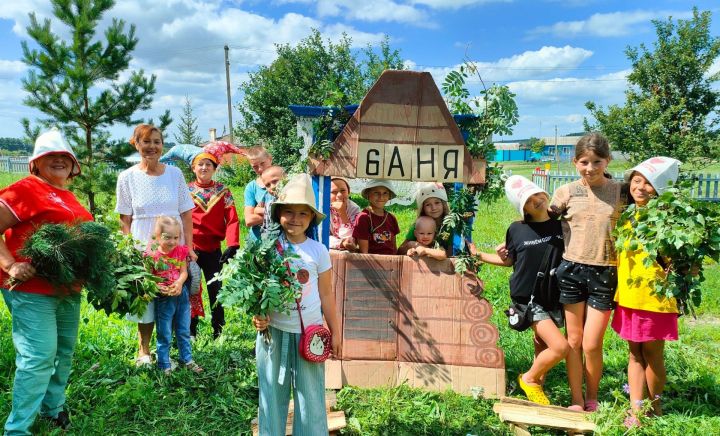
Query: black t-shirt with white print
(526, 243)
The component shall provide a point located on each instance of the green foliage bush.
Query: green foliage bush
(237, 174)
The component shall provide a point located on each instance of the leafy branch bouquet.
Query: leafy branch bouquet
(462, 208)
(257, 279)
(117, 277)
(680, 232)
(134, 284)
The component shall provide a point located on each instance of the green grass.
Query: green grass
(107, 394)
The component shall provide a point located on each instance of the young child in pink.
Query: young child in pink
(172, 307)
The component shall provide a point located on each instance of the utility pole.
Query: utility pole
(227, 81)
(557, 154)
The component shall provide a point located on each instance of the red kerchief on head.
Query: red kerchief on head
(219, 148)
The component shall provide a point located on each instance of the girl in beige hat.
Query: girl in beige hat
(280, 366)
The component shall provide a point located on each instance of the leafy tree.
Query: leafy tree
(15, 144)
(537, 145)
(314, 72)
(187, 128)
(671, 106)
(76, 83)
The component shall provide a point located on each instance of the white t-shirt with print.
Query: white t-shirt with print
(315, 260)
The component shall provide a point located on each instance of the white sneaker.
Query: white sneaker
(145, 360)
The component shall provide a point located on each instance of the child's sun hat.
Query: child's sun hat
(298, 190)
(660, 171)
(374, 183)
(518, 189)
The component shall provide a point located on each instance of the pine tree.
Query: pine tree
(187, 127)
(65, 79)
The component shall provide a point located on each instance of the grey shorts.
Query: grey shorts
(539, 313)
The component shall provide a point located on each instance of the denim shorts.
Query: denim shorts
(592, 283)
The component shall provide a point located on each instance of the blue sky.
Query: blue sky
(554, 54)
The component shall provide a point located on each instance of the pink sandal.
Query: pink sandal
(631, 421)
(591, 405)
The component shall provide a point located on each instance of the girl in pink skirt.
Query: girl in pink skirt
(645, 320)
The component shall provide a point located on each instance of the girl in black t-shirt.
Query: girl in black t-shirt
(527, 242)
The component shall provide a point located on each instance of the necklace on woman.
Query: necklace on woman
(372, 229)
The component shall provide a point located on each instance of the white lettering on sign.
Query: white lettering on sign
(437, 163)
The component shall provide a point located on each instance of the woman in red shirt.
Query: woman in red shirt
(44, 323)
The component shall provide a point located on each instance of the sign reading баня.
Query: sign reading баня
(410, 162)
(402, 130)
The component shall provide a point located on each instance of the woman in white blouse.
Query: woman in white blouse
(144, 192)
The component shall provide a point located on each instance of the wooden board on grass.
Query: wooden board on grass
(336, 419)
(522, 414)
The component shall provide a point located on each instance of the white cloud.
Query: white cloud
(547, 61)
(372, 10)
(455, 4)
(11, 69)
(612, 24)
(604, 89)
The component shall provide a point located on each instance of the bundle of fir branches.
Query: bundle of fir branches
(679, 232)
(259, 280)
(117, 277)
(69, 255)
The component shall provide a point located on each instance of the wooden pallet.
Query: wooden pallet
(336, 419)
(521, 414)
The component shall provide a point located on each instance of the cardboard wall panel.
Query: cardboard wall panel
(372, 284)
(413, 320)
(444, 318)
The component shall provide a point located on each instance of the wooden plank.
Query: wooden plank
(526, 413)
(336, 419)
(520, 430)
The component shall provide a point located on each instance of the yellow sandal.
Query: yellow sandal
(533, 393)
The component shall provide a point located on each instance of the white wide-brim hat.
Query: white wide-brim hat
(298, 190)
(660, 171)
(374, 183)
(49, 142)
(430, 190)
(518, 189)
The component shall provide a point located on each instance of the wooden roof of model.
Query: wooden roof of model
(405, 108)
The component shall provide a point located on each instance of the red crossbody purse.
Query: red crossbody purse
(315, 340)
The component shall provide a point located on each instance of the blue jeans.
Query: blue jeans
(44, 333)
(280, 367)
(173, 313)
